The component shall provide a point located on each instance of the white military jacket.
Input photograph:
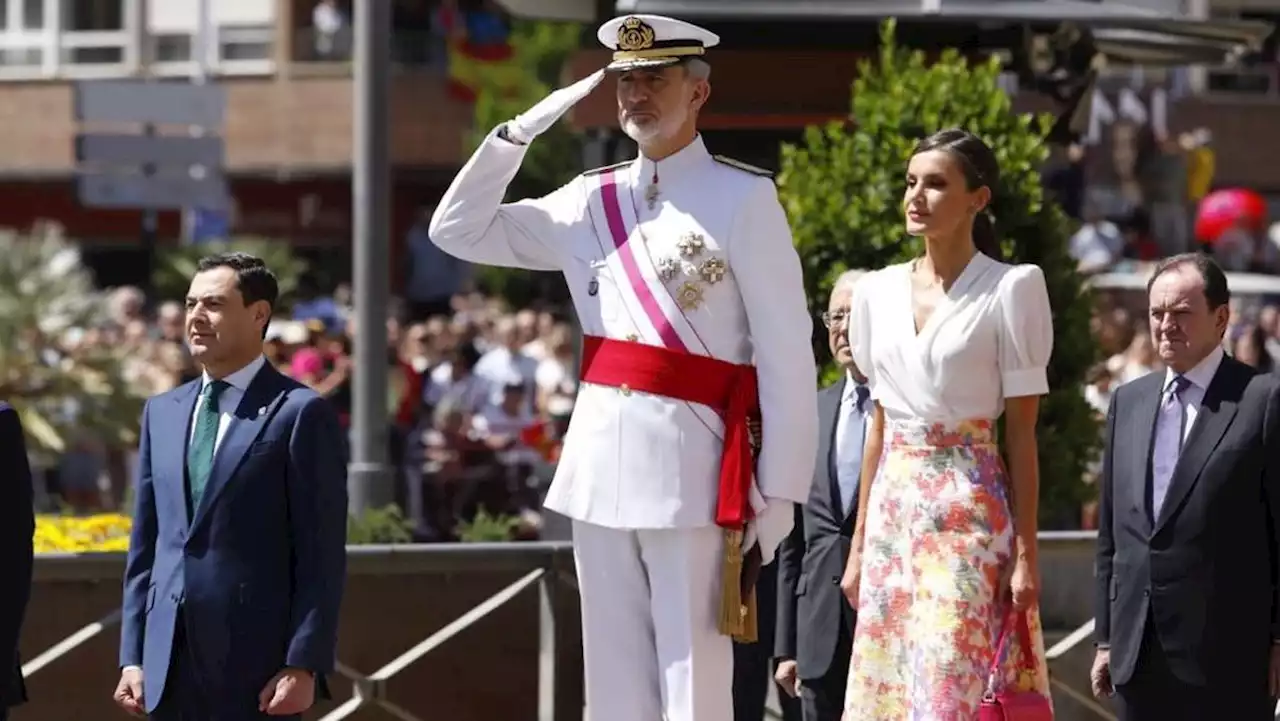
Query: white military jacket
(708, 268)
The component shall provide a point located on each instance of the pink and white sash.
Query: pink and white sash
(658, 318)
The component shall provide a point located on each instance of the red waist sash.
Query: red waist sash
(727, 388)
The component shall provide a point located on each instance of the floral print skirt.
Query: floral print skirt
(935, 560)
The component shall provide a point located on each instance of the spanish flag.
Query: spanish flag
(472, 67)
(479, 59)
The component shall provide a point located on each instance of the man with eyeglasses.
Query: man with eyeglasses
(815, 622)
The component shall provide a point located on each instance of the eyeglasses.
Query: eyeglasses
(830, 319)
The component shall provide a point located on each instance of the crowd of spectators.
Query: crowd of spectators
(479, 395)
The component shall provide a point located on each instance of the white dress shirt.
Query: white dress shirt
(237, 384)
(1199, 379)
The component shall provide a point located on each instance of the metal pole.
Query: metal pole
(199, 76)
(369, 477)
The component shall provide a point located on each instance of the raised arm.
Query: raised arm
(472, 223)
(764, 261)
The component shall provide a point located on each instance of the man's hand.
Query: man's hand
(128, 693)
(537, 120)
(1274, 674)
(289, 692)
(1100, 675)
(786, 677)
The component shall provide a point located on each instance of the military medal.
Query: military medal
(651, 192)
(593, 287)
(691, 245)
(689, 297)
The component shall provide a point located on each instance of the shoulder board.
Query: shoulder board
(747, 167)
(597, 171)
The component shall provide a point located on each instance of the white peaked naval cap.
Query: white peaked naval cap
(652, 41)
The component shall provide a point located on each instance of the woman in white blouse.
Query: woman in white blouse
(944, 547)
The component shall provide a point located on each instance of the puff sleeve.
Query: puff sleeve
(1026, 332)
(860, 327)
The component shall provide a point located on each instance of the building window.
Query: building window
(32, 14)
(86, 15)
(245, 42)
(171, 48)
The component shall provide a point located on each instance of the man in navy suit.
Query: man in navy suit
(17, 524)
(237, 559)
(815, 622)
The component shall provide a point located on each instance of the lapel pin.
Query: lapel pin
(262, 411)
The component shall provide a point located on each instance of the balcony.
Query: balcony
(77, 39)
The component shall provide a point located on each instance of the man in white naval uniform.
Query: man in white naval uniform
(690, 295)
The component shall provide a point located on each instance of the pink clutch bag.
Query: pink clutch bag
(1009, 705)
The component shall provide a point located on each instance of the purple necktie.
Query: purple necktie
(1171, 426)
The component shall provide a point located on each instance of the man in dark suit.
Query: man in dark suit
(815, 621)
(237, 559)
(17, 525)
(1188, 615)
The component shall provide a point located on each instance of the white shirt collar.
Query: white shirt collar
(673, 166)
(851, 385)
(1202, 374)
(240, 379)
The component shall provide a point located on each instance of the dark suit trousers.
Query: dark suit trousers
(752, 666)
(1154, 693)
(186, 699)
(822, 699)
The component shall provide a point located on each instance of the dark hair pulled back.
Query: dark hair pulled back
(980, 168)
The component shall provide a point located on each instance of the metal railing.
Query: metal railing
(546, 566)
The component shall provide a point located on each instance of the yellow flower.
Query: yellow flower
(106, 532)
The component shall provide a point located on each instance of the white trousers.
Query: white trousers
(650, 601)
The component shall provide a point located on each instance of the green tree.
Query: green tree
(842, 188)
(62, 388)
(542, 50)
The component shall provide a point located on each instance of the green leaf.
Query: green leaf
(842, 189)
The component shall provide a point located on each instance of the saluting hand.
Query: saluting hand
(537, 120)
(289, 692)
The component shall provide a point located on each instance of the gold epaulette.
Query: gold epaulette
(597, 171)
(746, 167)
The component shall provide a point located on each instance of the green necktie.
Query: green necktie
(203, 440)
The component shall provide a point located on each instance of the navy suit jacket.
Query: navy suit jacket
(811, 561)
(258, 569)
(17, 525)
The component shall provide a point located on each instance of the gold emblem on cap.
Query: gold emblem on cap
(635, 34)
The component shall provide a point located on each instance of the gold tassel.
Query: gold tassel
(737, 615)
